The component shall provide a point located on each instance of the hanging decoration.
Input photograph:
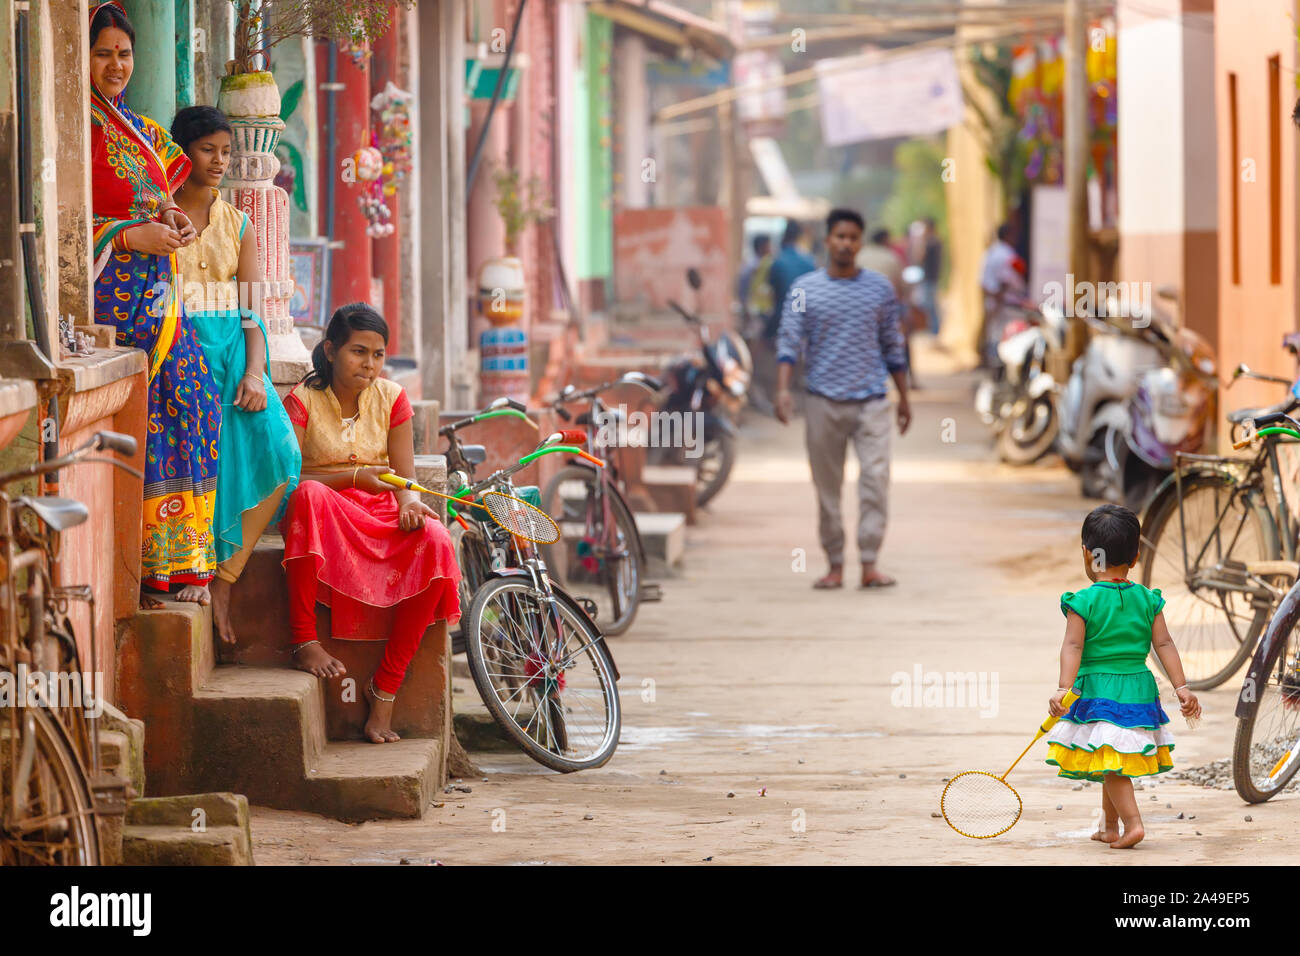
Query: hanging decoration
(383, 164)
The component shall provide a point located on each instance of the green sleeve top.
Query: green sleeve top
(1118, 617)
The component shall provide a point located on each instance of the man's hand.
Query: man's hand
(904, 415)
(784, 406)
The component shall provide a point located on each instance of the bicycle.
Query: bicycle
(469, 540)
(1225, 562)
(590, 505)
(1267, 742)
(53, 790)
(538, 660)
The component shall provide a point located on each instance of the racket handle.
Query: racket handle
(399, 482)
(1050, 722)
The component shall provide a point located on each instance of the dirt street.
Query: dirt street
(744, 681)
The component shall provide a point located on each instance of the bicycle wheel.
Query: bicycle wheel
(1266, 749)
(556, 698)
(1213, 626)
(474, 557)
(49, 820)
(594, 560)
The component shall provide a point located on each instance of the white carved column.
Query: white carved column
(252, 103)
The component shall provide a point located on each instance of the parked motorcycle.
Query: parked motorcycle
(1168, 413)
(1094, 404)
(711, 382)
(1019, 400)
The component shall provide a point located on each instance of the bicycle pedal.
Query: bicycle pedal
(589, 606)
(651, 593)
(110, 794)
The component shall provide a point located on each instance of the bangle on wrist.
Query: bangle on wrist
(354, 475)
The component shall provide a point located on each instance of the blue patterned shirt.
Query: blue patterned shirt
(849, 332)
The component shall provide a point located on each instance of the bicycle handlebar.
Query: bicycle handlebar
(99, 441)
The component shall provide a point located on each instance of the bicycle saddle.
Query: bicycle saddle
(58, 513)
(1281, 408)
(474, 454)
(612, 416)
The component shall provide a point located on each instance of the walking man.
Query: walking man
(845, 323)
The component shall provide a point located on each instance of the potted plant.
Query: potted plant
(501, 280)
(248, 88)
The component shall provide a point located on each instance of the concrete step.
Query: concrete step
(201, 829)
(170, 846)
(672, 489)
(664, 536)
(358, 781)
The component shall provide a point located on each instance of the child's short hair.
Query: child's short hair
(1114, 534)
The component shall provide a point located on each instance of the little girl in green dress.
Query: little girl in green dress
(1116, 729)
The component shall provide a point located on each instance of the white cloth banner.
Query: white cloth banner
(911, 94)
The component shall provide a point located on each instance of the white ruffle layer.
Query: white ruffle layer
(1100, 733)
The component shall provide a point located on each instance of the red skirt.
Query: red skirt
(365, 563)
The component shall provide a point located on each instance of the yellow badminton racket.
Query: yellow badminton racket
(981, 805)
(514, 514)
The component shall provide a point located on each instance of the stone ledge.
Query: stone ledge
(16, 396)
(82, 373)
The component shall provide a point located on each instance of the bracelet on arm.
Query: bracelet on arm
(354, 475)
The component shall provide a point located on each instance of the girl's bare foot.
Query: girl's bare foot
(379, 725)
(313, 659)
(1109, 835)
(195, 594)
(1132, 837)
(148, 601)
(220, 591)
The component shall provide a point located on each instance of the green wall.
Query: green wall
(593, 125)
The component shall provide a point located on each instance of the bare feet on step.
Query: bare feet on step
(195, 594)
(314, 659)
(220, 591)
(149, 601)
(379, 725)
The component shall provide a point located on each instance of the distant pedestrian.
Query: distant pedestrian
(754, 288)
(931, 266)
(1116, 730)
(1001, 277)
(880, 255)
(844, 322)
(790, 263)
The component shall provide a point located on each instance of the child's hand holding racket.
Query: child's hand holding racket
(1056, 705)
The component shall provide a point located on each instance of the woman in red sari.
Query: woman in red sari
(376, 555)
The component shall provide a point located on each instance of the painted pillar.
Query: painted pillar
(633, 114)
(487, 235)
(70, 39)
(12, 325)
(185, 44)
(387, 250)
(152, 90)
(406, 215)
(351, 265)
(214, 22)
(45, 82)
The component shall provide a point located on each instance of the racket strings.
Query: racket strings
(520, 518)
(978, 804)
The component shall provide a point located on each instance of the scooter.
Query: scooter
(1093, 405)
(1019, 401)
(712, 383)
(1167, 414)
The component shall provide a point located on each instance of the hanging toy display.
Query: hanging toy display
(386, 161)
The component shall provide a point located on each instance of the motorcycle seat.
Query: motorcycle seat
(474, 454)
(1282, 408)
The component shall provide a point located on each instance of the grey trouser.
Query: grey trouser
(830, 426)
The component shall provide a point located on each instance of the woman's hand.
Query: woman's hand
(1054, 705)
(413, 513)
(251, 394)
(367, 479)
(172, 216)
(1191, 707)
(153, 238)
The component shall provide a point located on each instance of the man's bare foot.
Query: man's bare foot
(148, 601)
(1132, 837)
(220, 591)
(314, 659)
(1109, 835)
(195, 594)
(379, 725)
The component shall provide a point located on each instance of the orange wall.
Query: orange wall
(1255, 312)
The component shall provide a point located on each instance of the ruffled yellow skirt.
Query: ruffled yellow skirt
(1095, 764)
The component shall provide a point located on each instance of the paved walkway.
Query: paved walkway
(760, 721)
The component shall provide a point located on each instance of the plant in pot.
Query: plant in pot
(248, 88)
(501, 280)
